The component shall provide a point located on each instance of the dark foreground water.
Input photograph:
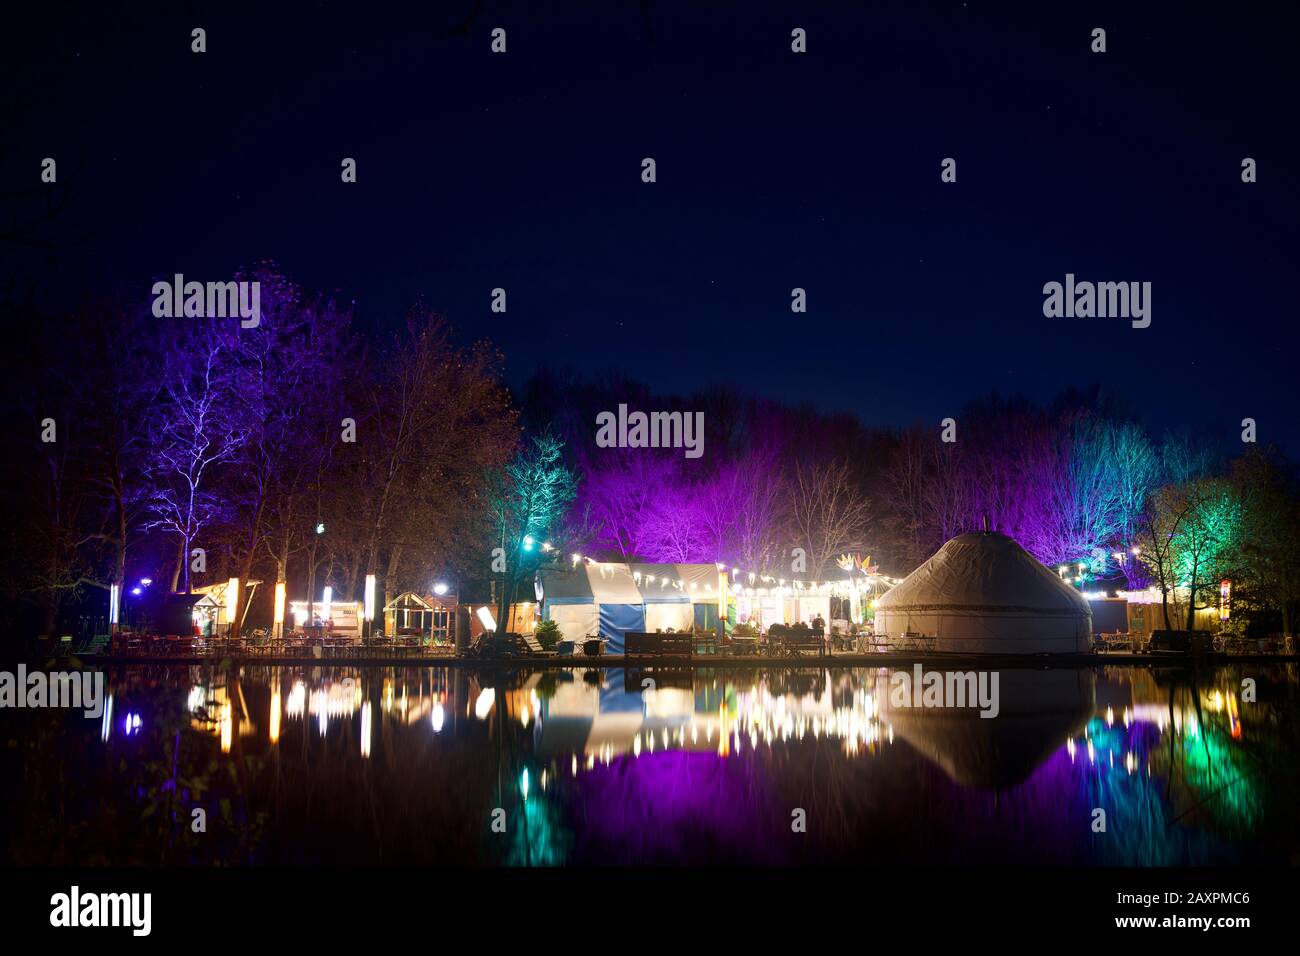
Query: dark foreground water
(434, 765)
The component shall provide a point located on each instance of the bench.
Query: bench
(658, 644)
(532, 645)
(796, 640)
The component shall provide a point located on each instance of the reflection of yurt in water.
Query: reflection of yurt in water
(984, 594)
(1037, 711)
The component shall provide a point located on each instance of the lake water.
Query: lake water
(437, 765)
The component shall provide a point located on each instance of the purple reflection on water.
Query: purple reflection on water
(679, 807)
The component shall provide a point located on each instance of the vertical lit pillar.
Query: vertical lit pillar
(370, 604)
(278, 619)
(326, 600)
(114, 606)
(232, 605)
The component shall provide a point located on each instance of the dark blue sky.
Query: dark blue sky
(775, 170)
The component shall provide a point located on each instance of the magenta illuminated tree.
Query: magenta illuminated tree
(621, 491)
(671, 528)
(744, 509)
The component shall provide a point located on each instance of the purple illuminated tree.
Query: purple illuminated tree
(621, 491)
(196, 427)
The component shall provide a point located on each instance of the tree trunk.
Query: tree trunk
(390, 576)
(180, 561)
(354, 568)
(281, 577)
(245, 596)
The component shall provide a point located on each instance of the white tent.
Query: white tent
(611, 599)
(984, 594)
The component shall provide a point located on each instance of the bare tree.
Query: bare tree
(197, 428)
(828, 514)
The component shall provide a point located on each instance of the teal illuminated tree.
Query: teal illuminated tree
(529, 498)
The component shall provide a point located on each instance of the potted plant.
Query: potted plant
(548, 634)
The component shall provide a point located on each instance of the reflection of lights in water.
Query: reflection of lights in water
(106, 724)
(437, 718)
(523, 783)
(196, 699)
(227, 726)
(574, 771)
(297, 705)
(131, 724)
(1110, 717)
(274, 721)
(486, 700)
(365, 729)
(523, 715)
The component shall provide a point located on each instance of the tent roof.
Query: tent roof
(590, 583)
(408, 601)
(607, 582)
(663, 589)
(984, 572)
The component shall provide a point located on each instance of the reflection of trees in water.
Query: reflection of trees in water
(420, 797)
(944, 791)
(77, 801)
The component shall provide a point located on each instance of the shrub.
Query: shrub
(548, 634)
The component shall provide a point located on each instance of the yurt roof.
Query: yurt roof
(984, 572)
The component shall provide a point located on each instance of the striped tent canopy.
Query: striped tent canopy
(611, 598)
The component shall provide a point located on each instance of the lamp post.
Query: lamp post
(311, 571)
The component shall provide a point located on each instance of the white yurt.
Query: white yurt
(982, 593)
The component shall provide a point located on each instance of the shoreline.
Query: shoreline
(1032, 661)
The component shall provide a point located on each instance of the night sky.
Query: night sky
(775, 170)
